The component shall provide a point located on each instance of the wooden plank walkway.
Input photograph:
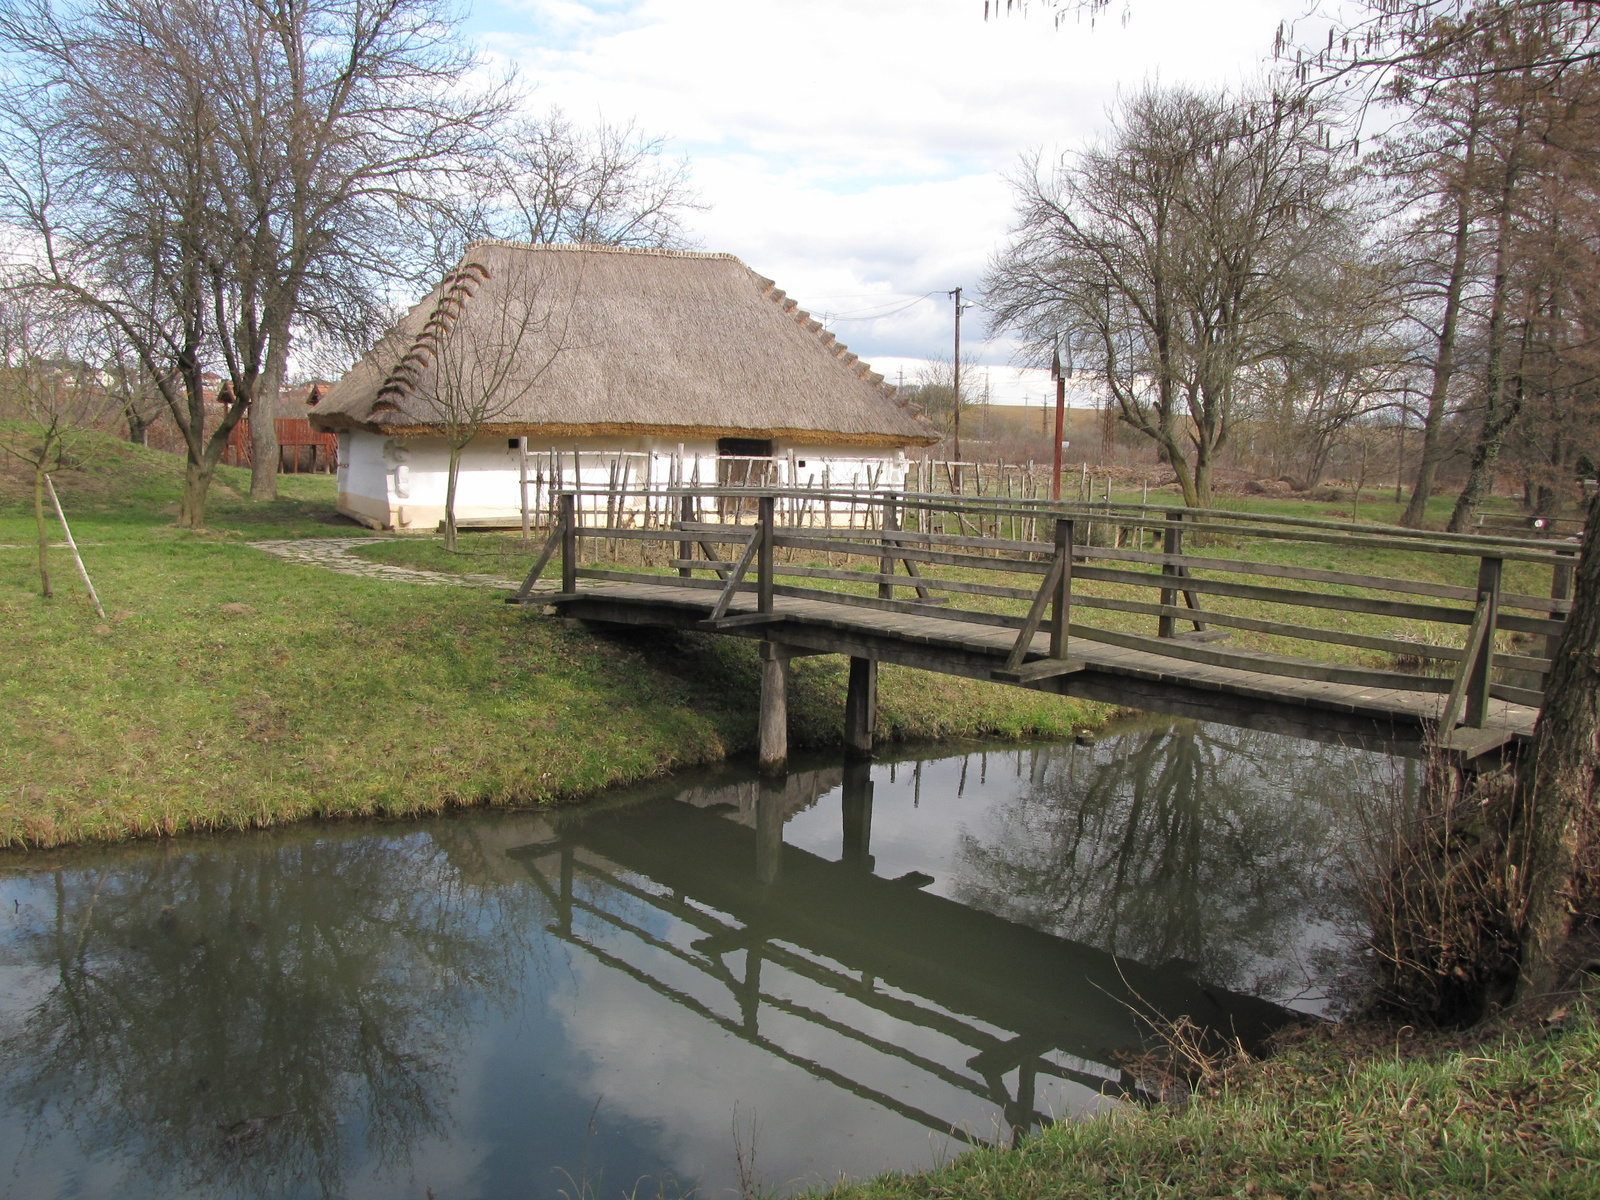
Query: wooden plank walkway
(1114, 674)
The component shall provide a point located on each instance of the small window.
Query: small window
(800, 462)
(513, 443)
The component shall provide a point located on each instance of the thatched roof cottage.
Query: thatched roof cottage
(648, 365)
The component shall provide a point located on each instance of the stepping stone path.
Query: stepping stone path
(334, 554)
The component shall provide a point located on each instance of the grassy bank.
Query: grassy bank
(1364, 1112)
(233, 689)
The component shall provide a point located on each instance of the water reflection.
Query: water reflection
(1182, 843)
(858, 958)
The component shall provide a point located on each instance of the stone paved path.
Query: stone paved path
(334, 554)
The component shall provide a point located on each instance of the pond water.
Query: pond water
(708, 985)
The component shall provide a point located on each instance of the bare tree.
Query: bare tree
(210, 219)
(488, 348)
(609, 185)
(52, 399)
(1169, 254)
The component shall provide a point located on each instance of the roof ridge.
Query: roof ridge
(456, 289)
(830, 341)
(596, 248)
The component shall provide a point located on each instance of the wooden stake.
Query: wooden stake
(76, 557)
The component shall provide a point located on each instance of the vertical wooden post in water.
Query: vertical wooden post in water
(1171, 544)
(685, 549)
(1061, 602)
(861, 705)
(1489, 571)
(774, 708)
(569, 543)
(767, 506)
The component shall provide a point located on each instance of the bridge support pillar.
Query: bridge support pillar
(774, 707)
(861, 705)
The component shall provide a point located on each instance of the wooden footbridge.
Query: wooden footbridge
(1103, 601)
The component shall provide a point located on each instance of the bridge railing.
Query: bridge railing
(1098, 569)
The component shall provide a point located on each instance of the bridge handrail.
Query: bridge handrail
(1065, 558)
(1196, 520)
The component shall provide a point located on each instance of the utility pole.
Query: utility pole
(1060, 377)
(957, 398)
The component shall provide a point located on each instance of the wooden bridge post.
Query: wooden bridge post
(767, 506)
(569, 543)
(1061, 601)
(861, 705)
(1489, 571)
(891, 523)
(1171, 544)
(774, 753)
(1560, 589)
(685, 549)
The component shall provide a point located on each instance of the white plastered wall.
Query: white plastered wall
(400, 483)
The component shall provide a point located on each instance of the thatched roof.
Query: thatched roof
(658, 342)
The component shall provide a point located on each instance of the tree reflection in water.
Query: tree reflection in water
(1188, 841)
(254, 1017)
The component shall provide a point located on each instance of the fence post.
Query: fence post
(1171, 544)
(1560, 589)
(765, 506)
(1489, 570)
(522, 465)
(685, 549)
(891, 523)
(569, 543)
(1061, 602)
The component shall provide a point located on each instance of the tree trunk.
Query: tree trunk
(450, 498)
(196, 487)
(138, 427)
(44, 541)
(264, 449)
(1555, 856)
(1498, 413)
(1443, 369)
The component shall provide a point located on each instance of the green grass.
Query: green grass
(1364, 1112)
(328, 695)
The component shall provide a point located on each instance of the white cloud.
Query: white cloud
(857, 152)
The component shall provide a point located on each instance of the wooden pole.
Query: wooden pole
(73, 546)
(956, 399)
(766, 506)
(1489, 572)
(569, 543)
(685, 549)
(774, 754)
(1061, 601)
(861, 705)
(522, 463)
(1061, 426)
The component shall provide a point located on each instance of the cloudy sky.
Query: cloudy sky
(856, 151)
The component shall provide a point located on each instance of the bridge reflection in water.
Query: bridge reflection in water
(982, 1004)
